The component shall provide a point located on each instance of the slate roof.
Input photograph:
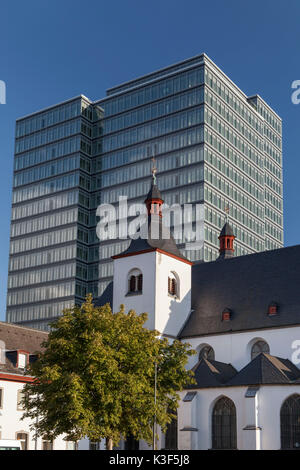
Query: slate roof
(18, 337)
(209, 373)
(265, 369)
(227, 230)
(246, 285)
(154, 193)
(153, 236)
(106, 297)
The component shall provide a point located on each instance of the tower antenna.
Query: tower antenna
(226, 213)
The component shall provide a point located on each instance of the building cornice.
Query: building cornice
(150, 250)
(10, 377)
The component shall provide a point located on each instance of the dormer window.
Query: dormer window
(272, 309)
(173, 285)
(226, 315)
(18, 358)
(135, 282)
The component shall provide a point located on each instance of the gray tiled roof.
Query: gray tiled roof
(246, 285)
(106, 297)
(154, 237)
(209, 373)
(227, 230)
(264, 369)
(154, 193)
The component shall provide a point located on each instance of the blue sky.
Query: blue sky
(53, 50)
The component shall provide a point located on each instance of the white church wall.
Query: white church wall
(166, 313)
(265, 413)
(201, 418)
(235, 348)
(271, 399)
(140, 302)
(171, 312)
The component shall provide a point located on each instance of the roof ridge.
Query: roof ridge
(14, 325)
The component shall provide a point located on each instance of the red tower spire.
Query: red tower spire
(226, 238)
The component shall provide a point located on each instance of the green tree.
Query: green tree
(95, 377)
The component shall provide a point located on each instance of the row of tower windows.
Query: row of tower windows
(135, 283)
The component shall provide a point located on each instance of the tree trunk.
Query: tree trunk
(109, 444)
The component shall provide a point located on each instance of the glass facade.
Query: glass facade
(213, 145)
(50, 217)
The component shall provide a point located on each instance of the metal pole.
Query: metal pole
(36, 438)
(154, 423)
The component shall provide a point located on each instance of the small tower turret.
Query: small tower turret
(226, 238)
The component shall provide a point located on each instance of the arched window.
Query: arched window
(135, 281)
(207, 352)
(224, 424)
(173, 285)
(290, 423)
(171, 440)
(258, 348)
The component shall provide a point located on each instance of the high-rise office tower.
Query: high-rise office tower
(213, 145)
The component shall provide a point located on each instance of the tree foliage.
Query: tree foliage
(95, 377)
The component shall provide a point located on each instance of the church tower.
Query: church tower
(152, 275)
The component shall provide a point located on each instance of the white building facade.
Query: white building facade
(18, 347)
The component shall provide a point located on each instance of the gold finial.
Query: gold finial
(154, 170)
(226, 209)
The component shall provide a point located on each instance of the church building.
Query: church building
(241, 315)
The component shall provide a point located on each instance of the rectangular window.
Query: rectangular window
(22, 361)
(70, 445)
(47, 445)
(23, 437)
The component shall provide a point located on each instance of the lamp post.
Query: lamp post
(154, 422)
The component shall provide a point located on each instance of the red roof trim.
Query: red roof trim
(125, 255)
(159, 250)
(175, 256)
(158, 200)
(15, 378)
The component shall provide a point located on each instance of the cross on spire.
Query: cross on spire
(154, 169)
(226, 210)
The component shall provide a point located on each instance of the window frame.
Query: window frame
(223, 429)
(134, 282)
